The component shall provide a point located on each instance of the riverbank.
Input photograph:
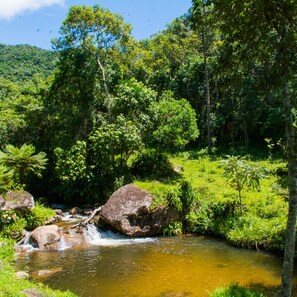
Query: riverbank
(216, 209)
(12, 285)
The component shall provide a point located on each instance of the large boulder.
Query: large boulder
(16, 200)
(128, 211)
(46, 237)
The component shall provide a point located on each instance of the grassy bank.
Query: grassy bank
(215, 209)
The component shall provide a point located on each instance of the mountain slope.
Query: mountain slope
(21, 62)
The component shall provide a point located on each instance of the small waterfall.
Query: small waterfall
(63, 244)
(96, 237)
(92, 234)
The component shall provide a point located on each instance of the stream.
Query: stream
(111, 265)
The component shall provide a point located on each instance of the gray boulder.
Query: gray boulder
(46, 237)
(128, 211)
(16, 200)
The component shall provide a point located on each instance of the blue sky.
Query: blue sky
(36, 22)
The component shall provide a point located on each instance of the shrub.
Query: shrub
(235, 291)
(38, 216)
(152, 164)
(174, 228)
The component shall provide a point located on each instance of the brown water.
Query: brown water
(163, 267)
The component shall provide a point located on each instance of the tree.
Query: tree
(201, 14)
(174, 125)
(22, 161)
(241, 174)
(267, 31)
(102, 34)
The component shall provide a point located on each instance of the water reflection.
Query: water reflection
(166, 267)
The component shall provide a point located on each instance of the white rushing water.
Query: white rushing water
(95, 237)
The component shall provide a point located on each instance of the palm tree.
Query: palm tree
(22, 161)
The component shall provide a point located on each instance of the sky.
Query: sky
(36, 22)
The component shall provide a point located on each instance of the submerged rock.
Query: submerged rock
(128, 211)
(42, 274)
(16, 200)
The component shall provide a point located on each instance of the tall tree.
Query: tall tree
(201, 19)
(260, 30)
(101, 33)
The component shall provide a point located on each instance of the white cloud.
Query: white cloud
(10, 8)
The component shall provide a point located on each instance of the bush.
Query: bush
(14, 230)
(235, 291)
(12, 223)
(38, 216)
(152, 164)
(174, 228)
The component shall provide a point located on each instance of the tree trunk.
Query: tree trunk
(207, 92)
(289, 252)
(108, 98)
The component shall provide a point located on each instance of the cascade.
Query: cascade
(63, 244)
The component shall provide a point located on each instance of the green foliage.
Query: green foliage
(151, 163)
(174, 228)
(22, 62)
(7, 217)
(38, 216)
(235, 291)
(23, 161)
(6, 249)
(14, 229)
(5, 179)
(241, 174)
(254, 232)
(71, 165)
(175, 124)
(174, 200)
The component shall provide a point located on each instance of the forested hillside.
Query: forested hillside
(21, 62)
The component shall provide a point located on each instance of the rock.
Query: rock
(53, 220)
(22, 248)
(128, 211)
(42, 274)
(46, 237)
(21, 275)
(59, 212)
(74, 211)
(16, 200)
(32, 293)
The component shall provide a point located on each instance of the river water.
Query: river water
(113, 266)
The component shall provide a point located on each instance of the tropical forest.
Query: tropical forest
(163, 167)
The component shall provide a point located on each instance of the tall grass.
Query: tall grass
(215, 209)
(235, 291)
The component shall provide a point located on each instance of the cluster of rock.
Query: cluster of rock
(128, 210)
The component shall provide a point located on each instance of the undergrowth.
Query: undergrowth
(215, 209)
(235, 291)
